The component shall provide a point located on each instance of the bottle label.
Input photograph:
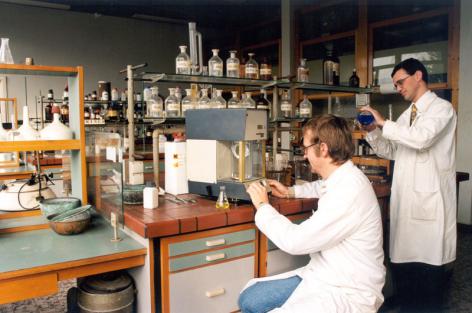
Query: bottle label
(203, 106)
(232, 66)
(186, 107)
(286, 107)
(251, 70)
(182, 64)
(304, 111)
(50, 96)
(217, 67)
(266, 71)
(173, 107)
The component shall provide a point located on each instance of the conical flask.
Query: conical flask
(222, 202)
(5, 52)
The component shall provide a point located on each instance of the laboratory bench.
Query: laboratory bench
(34, 258)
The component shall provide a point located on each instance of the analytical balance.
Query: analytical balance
(225, 147)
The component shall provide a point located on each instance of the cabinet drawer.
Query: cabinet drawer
(210, 289)
(182, 263)
(222, 240)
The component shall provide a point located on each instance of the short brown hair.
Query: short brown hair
(335, 133)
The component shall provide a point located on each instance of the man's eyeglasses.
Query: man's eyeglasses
(305, 149)
(400, 82)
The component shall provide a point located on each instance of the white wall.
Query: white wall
(464, 146)
(102, 44)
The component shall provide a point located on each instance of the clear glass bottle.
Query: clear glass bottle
(188, 103)
(222, 202)
(232, 65)
(243, 103)
(218, 102)
(234, 102)
(286, 104)
(172, 104)
(155, 105)
(305, 107)
(302, 71)
(262, 103)
(204, 101)
(338, 109)
(250, 103)
(354, 79)
(331, 68)
(182, 62)
(252, 68)
(215, 64)
(265, 70)
(5, 52)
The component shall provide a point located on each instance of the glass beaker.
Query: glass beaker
(5, 52)
(222, 202)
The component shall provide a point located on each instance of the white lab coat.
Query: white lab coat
(423, 197)
(344, 240)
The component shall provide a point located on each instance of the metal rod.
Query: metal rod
(130, 112)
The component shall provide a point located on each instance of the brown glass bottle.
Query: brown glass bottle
(48, 108)
(265, 70)
(354, 79)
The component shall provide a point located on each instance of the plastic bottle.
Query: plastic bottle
(150, 196)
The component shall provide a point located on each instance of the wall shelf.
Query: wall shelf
(41, 145)
(42, 70)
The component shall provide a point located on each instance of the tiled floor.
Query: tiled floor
(460, 300)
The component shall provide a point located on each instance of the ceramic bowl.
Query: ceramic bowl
(76, 214)
(58, 205)
(70, 225)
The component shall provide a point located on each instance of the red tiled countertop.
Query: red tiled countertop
(173, 219)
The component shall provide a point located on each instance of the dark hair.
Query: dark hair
(411, 66)
(335, 133)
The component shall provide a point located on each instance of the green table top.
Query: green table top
(29, 249)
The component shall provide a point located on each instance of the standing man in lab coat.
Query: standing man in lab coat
(423, 197)
(343, 236)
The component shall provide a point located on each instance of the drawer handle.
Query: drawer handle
(215, 257)
(216, 242)
(215, 293)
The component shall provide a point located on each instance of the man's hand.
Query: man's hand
(278, 189)
(258, 194)
(379, 119)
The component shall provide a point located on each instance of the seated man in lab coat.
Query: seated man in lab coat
(343, 237)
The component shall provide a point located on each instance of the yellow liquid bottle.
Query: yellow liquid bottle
(222, 202)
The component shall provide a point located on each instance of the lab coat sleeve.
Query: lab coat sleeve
(383, 147)
(424, 132)
(327, 227)
(308, 190)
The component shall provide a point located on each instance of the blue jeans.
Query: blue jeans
(265, 296)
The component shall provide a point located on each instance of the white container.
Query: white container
(176, 168)
(56, 130)
(27, 132)
(150, 196)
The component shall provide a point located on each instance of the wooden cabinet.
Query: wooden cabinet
(205, 271)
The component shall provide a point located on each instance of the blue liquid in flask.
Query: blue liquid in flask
(365, 118)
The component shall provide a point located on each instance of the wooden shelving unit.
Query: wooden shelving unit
(75, 78)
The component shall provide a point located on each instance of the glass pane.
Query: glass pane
(395, 43)
(105, 179)
(345, 49)
(328, 20)
(379, 10)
